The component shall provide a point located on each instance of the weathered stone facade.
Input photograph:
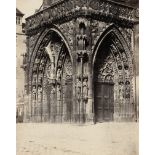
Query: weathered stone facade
(82, 62)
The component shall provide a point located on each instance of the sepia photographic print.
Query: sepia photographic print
(77, 77)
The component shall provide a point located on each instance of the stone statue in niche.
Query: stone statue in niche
(85, 88)
(39, 89)
(82, 37)
(40, 80)
(78, 88)
(85, 68)
(58, 92)
(59, 74)
(34, 92)
(34, 80)
(81, 42)
(39, 93)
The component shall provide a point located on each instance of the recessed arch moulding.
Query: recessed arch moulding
(66, 61)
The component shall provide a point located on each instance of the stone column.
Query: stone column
(90, 103)
(82, 45)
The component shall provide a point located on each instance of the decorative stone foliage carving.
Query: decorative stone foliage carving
(105, 69)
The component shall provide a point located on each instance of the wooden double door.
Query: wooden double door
(104, 101)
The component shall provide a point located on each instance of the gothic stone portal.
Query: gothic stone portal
(112, 81)
(81, 68)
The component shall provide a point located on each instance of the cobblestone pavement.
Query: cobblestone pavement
(68, 139)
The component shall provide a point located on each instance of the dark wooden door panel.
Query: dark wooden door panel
(104, 102)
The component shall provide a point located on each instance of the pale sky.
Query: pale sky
(28, 7)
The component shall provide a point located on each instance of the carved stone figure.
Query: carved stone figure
(58, 92)
(78, 88)
(34, 92)
(59, 74)
(81, 42)
(85, 88)
(39, 93)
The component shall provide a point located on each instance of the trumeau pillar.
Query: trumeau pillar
(90, 107)
(83, 86)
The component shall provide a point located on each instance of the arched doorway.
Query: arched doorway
(50, 75)
(113, 92)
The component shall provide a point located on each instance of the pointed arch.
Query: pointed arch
(111, 30)
(111, 54)
(39, 60)
(41, 39)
